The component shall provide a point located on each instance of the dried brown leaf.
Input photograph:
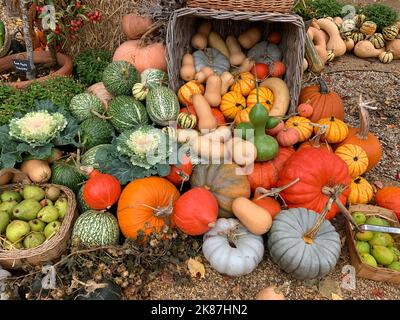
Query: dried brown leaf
(196, 268)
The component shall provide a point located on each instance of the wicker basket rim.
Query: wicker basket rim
(7, 43)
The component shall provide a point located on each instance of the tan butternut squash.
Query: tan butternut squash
(243, 152)
(338, 21)
(249, 38)
(188, 70)
(200, 39)
(246, 65)
(305, 65)
(349, 44)
(317, 37)
(281, 94)
(206, 120)
(5, 178)
(212, 151)
(335, 43)
(203, 74)
(314, 24)
(213, 90)
(37, 170)
(221, 134)
(236, 56)
(186, 135)
(365, 49)
(255, 218)
(216, 41)
(394, 47)
(227, 79)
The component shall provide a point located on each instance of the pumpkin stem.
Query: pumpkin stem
(274, 191)
(162, 212)
(365, 121)
(257, 86)
(101, 116)
(316, 140)
(323, 88)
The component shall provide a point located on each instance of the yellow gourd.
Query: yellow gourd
(335, 43)
(216, 41)
(281, 96)
(236, 56)
(249, 38)
(213, 90)
(206, 119)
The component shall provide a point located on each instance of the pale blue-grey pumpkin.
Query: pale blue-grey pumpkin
(212, 58)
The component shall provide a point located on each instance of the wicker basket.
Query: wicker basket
(49, 250)
(7, 44)
(363, 270)
(282, 6)
(183, 24)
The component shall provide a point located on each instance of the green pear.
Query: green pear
(33, 192)
(396, 252)
(368, 259)
(359, 217)
(34, 240)
(16, 230)
(48, 214)
(379, 239)
(394, 266)
(375, 221)
(9, 206)
(37, 225)
(389, 239)
(4, 221)
(383, 255)
(46, 202)
(27, 209)
(52, 193)
(362, 246)
(62, 206)
(51, 229)
(364, 236)
(10, 196)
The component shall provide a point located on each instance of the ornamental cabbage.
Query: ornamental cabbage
(37, 127)
(146, 146)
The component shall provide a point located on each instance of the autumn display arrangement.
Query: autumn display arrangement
(136, 159)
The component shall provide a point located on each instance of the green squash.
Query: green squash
(96, 131)
(241, 130)
(83, 106)
(82, 205)
(153, 78)
(88, 159)
(67, 174)
(119, 78)
(162, 105)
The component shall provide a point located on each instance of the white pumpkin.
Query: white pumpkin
(231, 249)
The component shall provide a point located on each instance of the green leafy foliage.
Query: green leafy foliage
(381, 14)
(309, 9)
(89, 65)
(58, 90)
(13, 150)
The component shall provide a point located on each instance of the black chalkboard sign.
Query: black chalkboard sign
(21, 65)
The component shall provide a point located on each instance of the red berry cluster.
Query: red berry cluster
(39, 9)
(76, 25)
(94, 16)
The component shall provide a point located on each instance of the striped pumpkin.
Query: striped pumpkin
(153, 78)
(140, 91)
(231, 103)
(368, 28)
(361, 191)
(359, 20)
(377, 40)
(390, 33)
(302, 125)
(170, 132)
(244, 83)
(355, 158)
(266, 98)
(187, 120)
(243, 116)
(337, 130)
(162, 105)
(357, 36)
(83, 105)
(386, 57)
(186, 92)
(330, 55)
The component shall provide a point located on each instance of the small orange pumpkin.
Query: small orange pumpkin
(231, 103)
(337, 130)
(355, 158)
(305, 110)
(361, 191)
(243, 116)
(302, 125)
(265, 95)
(186, 92)
(244, 83)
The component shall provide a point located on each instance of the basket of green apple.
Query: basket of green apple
(35, 222)
(374, 255)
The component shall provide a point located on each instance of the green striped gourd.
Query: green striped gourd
(386, 57)
(186, 120)
(359, 19)
(368, 28)
(83, 106)
(67, 174)
(390, 33)
(95, 228)
(357, 36)
(153, 78)
(126, 113)
(162, 105)
(330, 55)
(96, 131)
(377, 40)
(119, 77)
(88, 159)
(140, 91)
(82, 205)
(170, 132)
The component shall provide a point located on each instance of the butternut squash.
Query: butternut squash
(236, 56)
(249, 38)
(203, 74)
(281, 96)
(349, 44)
(335, 43)
(315, 63)
(246, 65)
(394, 47)
(200, 39)
(338, 21)
(221, 134)
(314, 24)
(216, 41)
(227, 80)
(188, 71)
(317, 37)
(365, 49)
(206, 120)
(255, 218)
(243, 152)
(6, 178)
(186, 135)
(213, 90)
(305, 65)
(37, 170)
(209, 150)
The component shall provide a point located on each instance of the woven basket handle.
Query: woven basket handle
(21, 176)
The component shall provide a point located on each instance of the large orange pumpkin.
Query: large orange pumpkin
(265, 95)
(232, 103)
(146, 205)
(186, 92)
(389, 198)
(134, 26)
(365, 139)
(316, 169)
(244, 83)
(325, 103)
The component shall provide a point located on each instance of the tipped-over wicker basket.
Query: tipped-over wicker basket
(51, 249)
(7, 43)
(282, 6)
(364, 270)
(184, 22)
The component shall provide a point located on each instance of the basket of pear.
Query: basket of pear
(375, 255)
(35, 222)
